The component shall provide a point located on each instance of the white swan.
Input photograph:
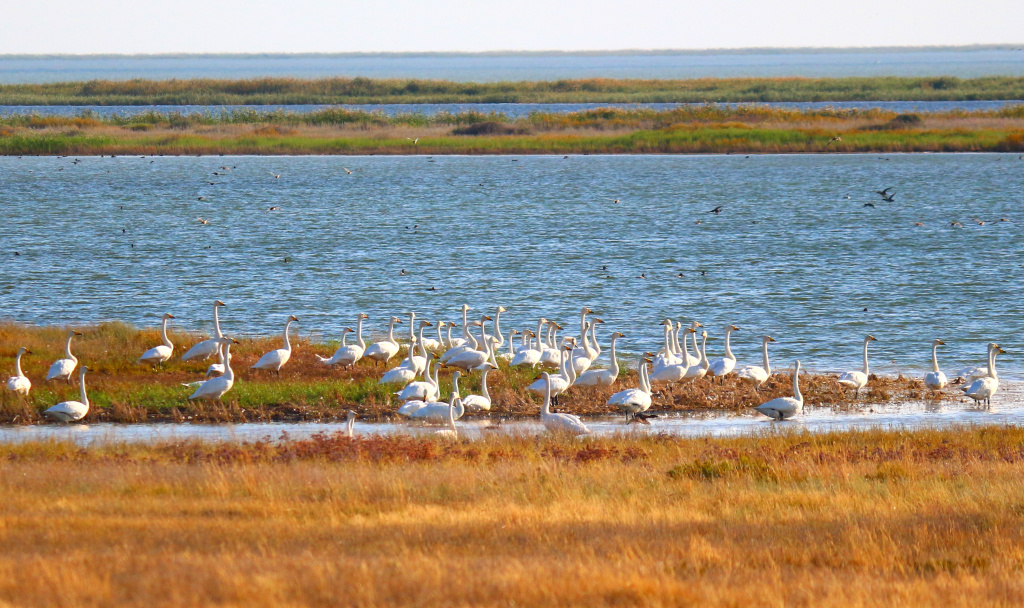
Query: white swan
(275, 359)
(348, 355)
(383, 351)
(498, 339)
(935, 380)
(452, 432)
(555, 385)
(673, 372)
(464, 340)
(438, 411)
(211, 347)
(422, 390)
(785, 407)
(582, 357)
(477, 403)
(973, 372)
(70, 411)
(694, 359)
(857, 380)
(634, 401)
(158, 354)
(216, 369)
(758, 374)
(466, 344)
(983, 389)
(666, 356)
(350, 424)
(63, 368)
(19, 382)
(550, 354)
(723, 366)
(558, 423)
(602, 378)
(511, 354)
(469, 359)
(530, 356)
(700, 370)
(419, 362)
(403, 374)
(215, 388)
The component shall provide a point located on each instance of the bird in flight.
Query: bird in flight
(202, 220)
(415, 141)
(269, 209)
(717, 210)
(276, 175)
(836, 138)
(890, 199)
(616, 201)
(872, 205)
(884, 192)
(347, 171)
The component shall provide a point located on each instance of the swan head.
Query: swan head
(426, 323)
(595, 321)
(870, 339)
(704, 334)
(732, 328)
(293, 318)
(396, 320)
(362, 315)
(587, 311)
(219, 303)
(82, 371)
(351, 415)
(557, 326)
(348, 330)
(695, 325)
(938, 343)
(618, 335)
(168, 315)
(466, 308)
(487, 318)
(78, 333)
(769, 339)
(516, 332)
(24, 351)
(1000, 351)
(501, 309)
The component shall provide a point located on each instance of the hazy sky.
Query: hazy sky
(225, 26)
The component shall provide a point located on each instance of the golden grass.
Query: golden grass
(121, 390)
(924, 518)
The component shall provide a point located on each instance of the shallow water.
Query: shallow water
(498, 67)
(789, 256)
(511, 110)
(1007, 409)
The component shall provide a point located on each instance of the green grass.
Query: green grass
(595, 90)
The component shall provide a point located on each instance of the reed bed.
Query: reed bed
(689, 130)
(593, 90)
(120, 390)
(870, 518)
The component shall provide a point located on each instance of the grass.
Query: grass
(878, 518)
(122, 391)
(594, 90)
(692, 129)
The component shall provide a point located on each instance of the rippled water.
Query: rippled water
(789, 256)
(516, 66)
(512, 110)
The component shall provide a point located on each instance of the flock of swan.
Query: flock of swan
(571, 357)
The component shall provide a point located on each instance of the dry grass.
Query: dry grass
(929, 518)
(122, 391)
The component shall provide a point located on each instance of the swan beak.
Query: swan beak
(235, 341)
(398, 321)
(219, 303)
(620, 335)
(488, 319)
(28, 352)
(428, 324)
(940, 342)
(294, 318)
(771, 339)
(734, 328)
(363, 315)
(872, 339)
(502, 309)
(697, 324)
(77, 333)
(1000, 351)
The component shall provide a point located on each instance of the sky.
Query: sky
(318, 26)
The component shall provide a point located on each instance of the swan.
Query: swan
(464, 345)
(558, 423)
(467, 360)
(70, 411)
(973, 372)
(758, 374)
(935, 380)
(671, 373)
(275, 359)
(452, 432)
(422, 390)
(581, 358)
(430, 343)
(350, 424)
(216, 369)
(19, 382)
(550, 355)
(215, 388)
(159, 354)
(781, 408)
(666, 356)
(634, 400)
(419, 362)
(531, 356)
(464, 340)
(724, 365)
(477, 403)
(211, 347)
(511, 354)
(403, 374)
(62, 368)
(498, 339)
(438, 411)
(700, 370)
(348, 355)
(602, 378)
(383, 351)
(857, 380)
(693, 359)
(982, 389)
(553, 385)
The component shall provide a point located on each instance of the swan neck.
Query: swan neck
(391, 330)
(615, 362)
(350, 426)
(796, 384)
(935, 358)
(764, 354)
(465, 321)
(728, 351)
(483, 385)
(866, 357)
(703, 352)
(992, 364)
(359, 333)
(81, 388)
(228, 372)
(67, 348)
(163, 334)
(545, 408)
(17, 364)
(287, 340)
(216, 322)
(497, 329)
(422, 348)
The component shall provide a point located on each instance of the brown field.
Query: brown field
(122, 391)
(880, 518)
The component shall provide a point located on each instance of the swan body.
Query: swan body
(275, 359)
(511, 354)
(673, 372)
(211, 347)
(159, 354)
(983, 389)
(935, 380)
(215, 388)
(973, 372)
(458, 345)
(700, 370)
(438, 411)
(383, 351)
(19, 382)
(70, 411)
(723, 366)
(549, 354)
(348, 354)
(666, 356)
(758, 375)
(403, 374)
(634, 400)
(857, 380)
(63, 368)
(559, 423)
(526, 356)
(552, 385)
(602, 378)
(216, 369)
(473, 358)
(452, 432)
(422, 390)
(482, 402)
(782, 408)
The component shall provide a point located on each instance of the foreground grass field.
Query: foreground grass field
(689, 130)
(924, 518)
(121, 390)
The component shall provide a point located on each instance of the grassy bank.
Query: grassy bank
(122, 391)
(595, 90)
(923, 518)
(697, 129)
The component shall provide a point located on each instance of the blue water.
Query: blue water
(498, 67)
(790, 255)
(512, 110)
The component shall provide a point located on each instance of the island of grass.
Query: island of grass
(694, 129)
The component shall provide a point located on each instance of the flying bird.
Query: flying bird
(836, 138)
(717, 210)
(347, 171)
(884, 192)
